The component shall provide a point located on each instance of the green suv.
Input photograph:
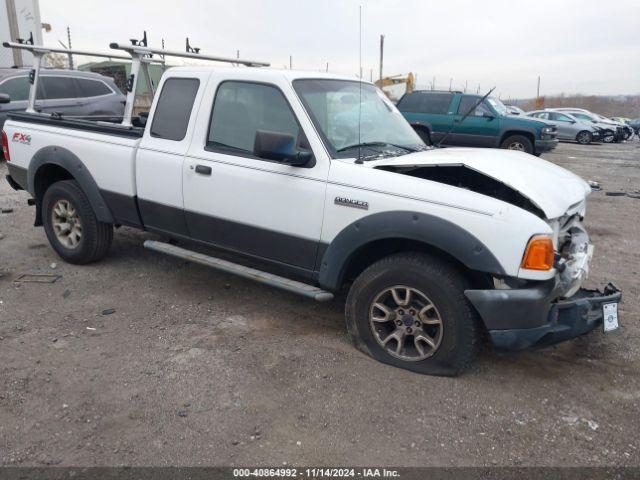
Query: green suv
(434, 113)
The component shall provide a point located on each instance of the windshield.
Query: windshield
(497, 105)
(350, 114)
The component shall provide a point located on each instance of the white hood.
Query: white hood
(551, 188)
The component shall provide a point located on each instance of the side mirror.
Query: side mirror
(4, 98)
(280, 147)
(488, 115)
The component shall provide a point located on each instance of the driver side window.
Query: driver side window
(467, 102)
(240, 109)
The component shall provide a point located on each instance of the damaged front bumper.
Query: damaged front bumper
(533, 317)
(543, 313)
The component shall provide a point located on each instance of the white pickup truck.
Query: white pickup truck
(315, 183)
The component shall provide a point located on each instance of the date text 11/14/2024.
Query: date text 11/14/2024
(315, 472)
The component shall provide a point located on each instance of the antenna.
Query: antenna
(359, 159)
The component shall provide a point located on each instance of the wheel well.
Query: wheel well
(529, 135)
(422, 128)
(378, 249)
(46, 176)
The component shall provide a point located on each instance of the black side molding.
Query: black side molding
(17, 177)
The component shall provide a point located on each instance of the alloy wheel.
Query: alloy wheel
(66, 224)
(406, 323)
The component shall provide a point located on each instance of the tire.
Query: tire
(456, 340)
(424, 135)
(584, 137)
(608, 136)
(518, 142)
(65, 204)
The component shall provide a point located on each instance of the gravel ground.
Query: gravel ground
(197, 367)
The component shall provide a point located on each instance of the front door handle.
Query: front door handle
(203, 170)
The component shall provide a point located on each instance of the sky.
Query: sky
(575, 46)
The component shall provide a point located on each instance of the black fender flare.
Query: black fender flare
(54, 155)
(403, 225)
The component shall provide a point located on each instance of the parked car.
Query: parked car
(621, 123)
(316, 184)
(635, 125)
(624, 120)
(433, 113)
(513, 110)
(569, 127)
(70, 92)
(611, 131)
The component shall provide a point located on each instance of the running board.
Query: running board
(251, 273)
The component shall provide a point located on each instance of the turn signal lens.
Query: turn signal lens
(539, 253)
(5, 145)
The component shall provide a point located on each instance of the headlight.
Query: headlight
(548, 129)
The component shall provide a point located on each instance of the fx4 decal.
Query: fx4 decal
(21, 138)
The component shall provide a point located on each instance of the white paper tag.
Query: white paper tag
(610, 316)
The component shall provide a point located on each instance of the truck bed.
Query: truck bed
(98, 153)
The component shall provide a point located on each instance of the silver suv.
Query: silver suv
(569, 127)
(70, 92)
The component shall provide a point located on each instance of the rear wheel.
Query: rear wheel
(71, 225)
(519, 143)
(584, 137)
(409, 310)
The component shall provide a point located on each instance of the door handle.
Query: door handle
(203, 170)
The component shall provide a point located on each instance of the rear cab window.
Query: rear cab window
(172, 113)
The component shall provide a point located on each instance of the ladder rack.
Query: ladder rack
(140, 56)
(139, 51)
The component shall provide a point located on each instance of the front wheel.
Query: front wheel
(519, 143)
(608, 136)
(584, 137)
(71, 225)
(409, 310)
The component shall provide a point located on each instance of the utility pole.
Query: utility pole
(237, 53)
(465, 86)
(371, 75)
(381, 54)
(478, 88)
(450, 83)
(538, 94)
(290, 62)
(69, 45)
